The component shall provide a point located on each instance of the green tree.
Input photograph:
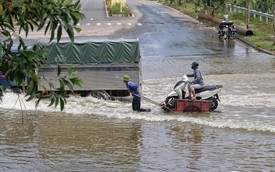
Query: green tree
(259, 5)
(215, 6)
(264, 6)
(198, 3)
(58, 16)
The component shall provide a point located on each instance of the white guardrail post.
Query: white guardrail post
(254, 12)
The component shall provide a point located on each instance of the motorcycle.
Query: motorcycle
(227, 30)
(208, 92)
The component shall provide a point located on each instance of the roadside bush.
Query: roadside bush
(126, 12)
(115, 9)
(258, 5)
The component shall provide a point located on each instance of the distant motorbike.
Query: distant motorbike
(227, 30)
(208, 92)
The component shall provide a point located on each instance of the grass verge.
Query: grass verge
(117, 9)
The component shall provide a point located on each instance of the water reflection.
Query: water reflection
(15, 131)
(189, 140)
(49, 140)
(115, 140)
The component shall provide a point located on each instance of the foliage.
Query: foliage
(176, 2)
(21, 64)
(116, 7)
(215, 6)
(258, 5)
(198, 3)
(116, 10)
(58, 96)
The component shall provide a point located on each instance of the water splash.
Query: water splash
(242, 108)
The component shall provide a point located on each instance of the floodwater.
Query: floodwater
(98, 135)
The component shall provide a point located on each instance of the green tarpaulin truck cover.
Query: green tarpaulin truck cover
(99, 63)
(93, 52)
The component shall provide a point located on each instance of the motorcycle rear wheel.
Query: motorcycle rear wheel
(170, 102)
(214, 103)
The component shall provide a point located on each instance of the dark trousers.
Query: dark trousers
(136, 104)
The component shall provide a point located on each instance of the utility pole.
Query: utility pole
(247, 13)
(120, 6)
(274, 22)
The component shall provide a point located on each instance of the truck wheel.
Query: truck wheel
(100, 95)
(191, 108)
(170, 102)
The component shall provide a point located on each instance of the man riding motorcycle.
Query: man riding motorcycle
(197, 83)
(204, 92)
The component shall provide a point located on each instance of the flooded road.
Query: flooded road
(98, 135)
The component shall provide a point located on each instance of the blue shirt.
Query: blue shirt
(133, 88)
(197, 77)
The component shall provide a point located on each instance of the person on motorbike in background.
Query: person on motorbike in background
(197, 83)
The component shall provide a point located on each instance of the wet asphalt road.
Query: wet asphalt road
(170, 41)
(162, 31)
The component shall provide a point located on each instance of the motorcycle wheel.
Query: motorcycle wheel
(214, 104)
(170, 102)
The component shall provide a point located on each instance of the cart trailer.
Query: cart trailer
(184, 105)
(187, 105)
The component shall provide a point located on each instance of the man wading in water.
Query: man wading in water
(133, 89)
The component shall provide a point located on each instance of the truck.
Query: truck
(99, 63)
